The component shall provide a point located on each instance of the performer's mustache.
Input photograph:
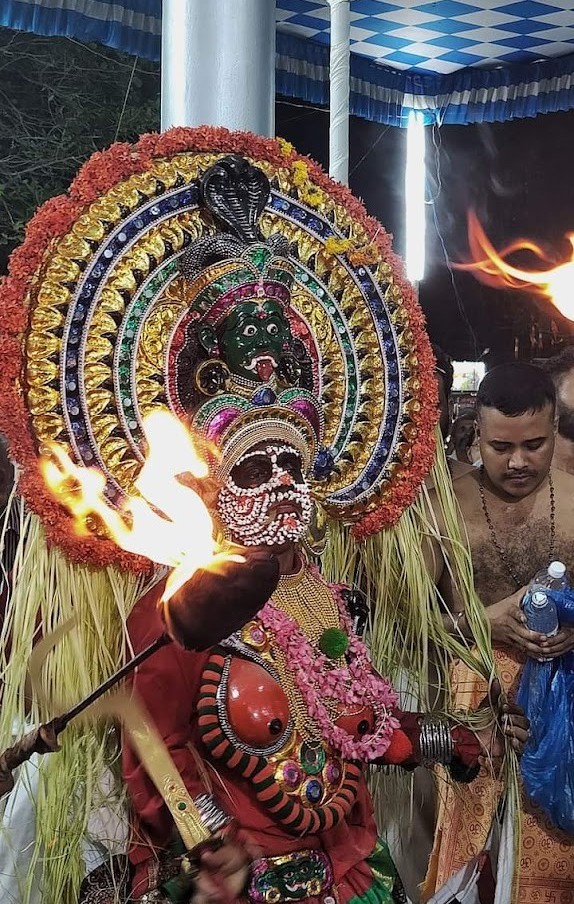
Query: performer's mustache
(282, 496)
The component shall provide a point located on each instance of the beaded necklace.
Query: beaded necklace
(325, 684)
(311, 605)
(308, 601)
(496, 543)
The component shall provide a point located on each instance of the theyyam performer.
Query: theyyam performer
(225, 283)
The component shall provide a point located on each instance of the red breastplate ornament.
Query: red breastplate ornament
(293, 720)
(246, 724)
(257, 707)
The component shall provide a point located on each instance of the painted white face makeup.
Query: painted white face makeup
(266, 501)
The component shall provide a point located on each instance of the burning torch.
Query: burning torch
(209, 594)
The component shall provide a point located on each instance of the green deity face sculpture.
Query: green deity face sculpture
(254, 338)
(292, 880)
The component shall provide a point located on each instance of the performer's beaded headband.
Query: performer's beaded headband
(228, 279)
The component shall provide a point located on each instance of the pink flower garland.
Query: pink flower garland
(318, 679)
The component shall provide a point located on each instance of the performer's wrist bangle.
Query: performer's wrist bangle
(212, 816)
(435, 742)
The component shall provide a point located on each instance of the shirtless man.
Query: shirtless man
(518, 515)
(561, 369)
(517, 511)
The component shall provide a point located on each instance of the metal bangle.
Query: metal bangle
(435, 742)
(213, 817)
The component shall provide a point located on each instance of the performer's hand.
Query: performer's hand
(508, 626)
(223, 875)
(216, 603)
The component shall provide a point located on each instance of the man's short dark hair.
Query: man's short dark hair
(516, 388)
(444, 367)
(560, 365)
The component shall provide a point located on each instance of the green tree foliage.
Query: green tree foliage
(60, 101)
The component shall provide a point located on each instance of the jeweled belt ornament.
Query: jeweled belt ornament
(292, 877)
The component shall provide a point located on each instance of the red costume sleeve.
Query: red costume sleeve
(167, 685)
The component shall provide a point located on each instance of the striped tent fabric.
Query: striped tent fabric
(133, 26)
(457, 62)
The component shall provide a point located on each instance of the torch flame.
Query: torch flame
(167, 523)
(492, 268)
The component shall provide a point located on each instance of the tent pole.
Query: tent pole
(218, 64)
(340, 90)
(415, 187)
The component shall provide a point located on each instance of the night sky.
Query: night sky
(516, 175)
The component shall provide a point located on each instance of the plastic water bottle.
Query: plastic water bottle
(541, 614)
(539, 608)
(551, 578)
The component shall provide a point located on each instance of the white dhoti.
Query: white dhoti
(20, 866)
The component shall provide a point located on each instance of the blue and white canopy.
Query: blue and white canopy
(458, 62)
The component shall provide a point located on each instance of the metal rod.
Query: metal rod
(44, 739)
(60, 722)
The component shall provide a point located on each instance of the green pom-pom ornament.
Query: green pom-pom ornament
(334, 643)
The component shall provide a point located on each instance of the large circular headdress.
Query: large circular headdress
(107, 304)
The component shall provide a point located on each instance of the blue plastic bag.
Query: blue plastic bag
(546, 694)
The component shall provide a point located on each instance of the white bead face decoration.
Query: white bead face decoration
(266, 500)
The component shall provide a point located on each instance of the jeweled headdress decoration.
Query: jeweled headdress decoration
(147, 286)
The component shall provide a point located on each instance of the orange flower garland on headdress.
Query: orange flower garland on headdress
(363, 312)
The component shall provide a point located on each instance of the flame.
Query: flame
(167, 523)
(492, 268)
